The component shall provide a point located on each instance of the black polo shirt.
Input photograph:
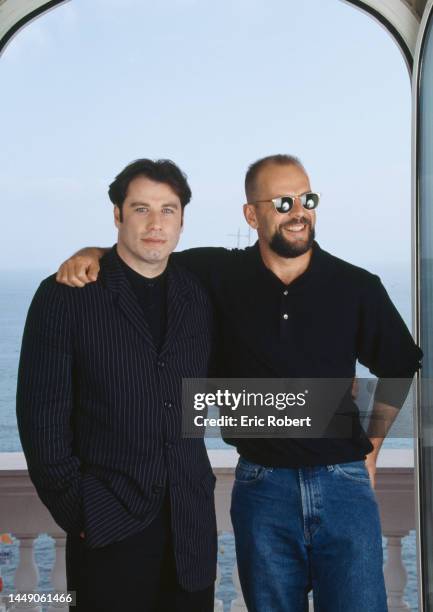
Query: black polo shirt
(318, 326)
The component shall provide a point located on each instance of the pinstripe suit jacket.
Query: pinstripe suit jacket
(99, 413)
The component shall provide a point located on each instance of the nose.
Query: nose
(154, 220)
(297, 207)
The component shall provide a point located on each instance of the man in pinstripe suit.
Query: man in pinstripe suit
(99, 411)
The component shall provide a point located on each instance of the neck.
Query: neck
(145, 268)
(287, 269)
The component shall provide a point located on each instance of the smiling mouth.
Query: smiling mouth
(295, 228)
(153, 240)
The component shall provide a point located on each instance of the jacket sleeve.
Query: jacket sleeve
(44, 406)
(386, 346)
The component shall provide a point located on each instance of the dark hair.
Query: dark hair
(254, 170)
(159, 170)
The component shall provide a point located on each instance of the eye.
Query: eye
(168, 211)
(311, 200)
(141, 209)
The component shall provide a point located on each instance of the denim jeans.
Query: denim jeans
(310, 528)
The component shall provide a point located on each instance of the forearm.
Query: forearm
(97, 252)
(59, 488)
(381, 420)
(46, 438)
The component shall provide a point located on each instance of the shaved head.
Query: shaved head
(253, 172)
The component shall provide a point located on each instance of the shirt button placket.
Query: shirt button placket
(285, 316)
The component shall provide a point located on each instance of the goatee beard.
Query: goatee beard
(284, 248)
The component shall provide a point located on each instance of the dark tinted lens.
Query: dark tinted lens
(311, 200)
(283, 205)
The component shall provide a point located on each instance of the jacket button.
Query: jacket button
(160, 364)
(168, 445)
(168, 404)
(157, 488)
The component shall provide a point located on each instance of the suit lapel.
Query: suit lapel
(115, 280)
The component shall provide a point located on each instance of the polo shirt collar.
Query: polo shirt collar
(311, 274)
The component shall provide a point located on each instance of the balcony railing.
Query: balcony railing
(24, 516)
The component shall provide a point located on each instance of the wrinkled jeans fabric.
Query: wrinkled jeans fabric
(310, 528)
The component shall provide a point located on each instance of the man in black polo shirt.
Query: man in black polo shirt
(304, 511)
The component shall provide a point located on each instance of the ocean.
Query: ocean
(17, 289)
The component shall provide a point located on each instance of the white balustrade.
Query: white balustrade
(26, 574)
(396, 496)
(25, 517)
(219, 606)
(58, 575)
(238, 604)
(395, 575)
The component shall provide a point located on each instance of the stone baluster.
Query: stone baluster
(395, 574)
(58, 575)
(26, 575)
(238, 604)
(219, 606)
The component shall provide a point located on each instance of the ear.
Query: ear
(117, 220)
(250, 215)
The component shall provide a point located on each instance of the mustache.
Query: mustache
(297, 221)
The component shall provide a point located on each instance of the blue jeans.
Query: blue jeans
(310, 528)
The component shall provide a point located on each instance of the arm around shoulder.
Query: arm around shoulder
(81, 268)
(204, 261)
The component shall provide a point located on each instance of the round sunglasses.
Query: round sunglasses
(284, 204)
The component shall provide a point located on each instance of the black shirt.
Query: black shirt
(318, 326)
(151, 294)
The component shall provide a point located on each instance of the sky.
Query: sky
(90, 86)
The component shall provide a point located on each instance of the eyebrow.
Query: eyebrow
(294, 194)
(135, 204)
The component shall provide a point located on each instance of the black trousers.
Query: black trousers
(137, 574)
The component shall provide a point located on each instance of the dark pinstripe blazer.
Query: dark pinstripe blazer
(99, 413)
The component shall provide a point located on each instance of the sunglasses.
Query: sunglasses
(309, 200)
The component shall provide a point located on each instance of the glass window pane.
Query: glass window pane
(425, 182)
